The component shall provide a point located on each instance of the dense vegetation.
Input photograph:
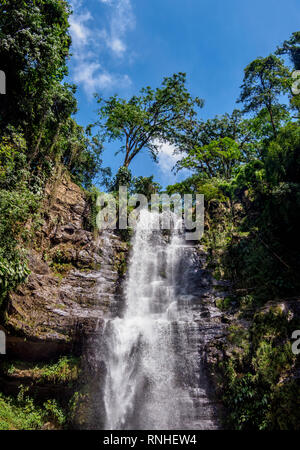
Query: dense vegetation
(246, 163)
(39, 137)
(39, 141)
(248, 166)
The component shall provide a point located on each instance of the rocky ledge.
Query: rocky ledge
(74, 278)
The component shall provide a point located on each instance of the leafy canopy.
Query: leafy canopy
(215, 147)
(144, 121)
(265, 80)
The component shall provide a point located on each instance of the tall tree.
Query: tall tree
(155, 116)
(217, 159)
(215, 147)
(291, 47)
(265, 80)
(34, 46)
(146, 186)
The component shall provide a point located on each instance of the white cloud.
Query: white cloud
(167, 160)
(122, 20)
(80, 33)
(90, 45)
(93, 78)
(117, 46)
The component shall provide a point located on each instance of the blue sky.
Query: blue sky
(119, 46)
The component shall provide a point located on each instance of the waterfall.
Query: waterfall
(153, 375)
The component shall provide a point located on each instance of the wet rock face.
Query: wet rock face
(205, 332)
(74, 277)
(167, 327)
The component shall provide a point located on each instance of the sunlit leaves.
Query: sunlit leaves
(144, 121)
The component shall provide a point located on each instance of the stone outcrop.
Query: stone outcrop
(206, 333)
(74, 277)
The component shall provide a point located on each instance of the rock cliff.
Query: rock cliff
(74, 280)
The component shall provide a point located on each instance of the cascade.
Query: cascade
(154, 376)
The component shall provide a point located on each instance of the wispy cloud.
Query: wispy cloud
(93, 77)
(122, 20)
(80, 32)
(93, 44)
(167, 159)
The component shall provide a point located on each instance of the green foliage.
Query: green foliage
(17, 204)
(7, 159)
(34, 46)
(144, 121)
(284, 413)
(272, 206)
(218, 158)
(256, 379)
(22, 413)
(246, 401)
(122, 178)
(145, 186)
(54, 412)
(187, 186)
(291, 47)
(216, 147)
(212, 189)
(65, 370)
(225, 303)
(38, 134)
(82, 153)
(249, 171)
(34, 49)
(264, 81)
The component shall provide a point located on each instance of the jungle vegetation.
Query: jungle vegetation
(246, 163)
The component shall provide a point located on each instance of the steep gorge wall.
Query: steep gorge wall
(74, 285)
(74, 279)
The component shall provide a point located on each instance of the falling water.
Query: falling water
(152, 381)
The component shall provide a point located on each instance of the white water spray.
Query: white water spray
(151, 378)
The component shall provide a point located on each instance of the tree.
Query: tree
(34, 49)
(291, 47)
(188, 186)
(56, 106)
(218, 158)
(216, 146)
(122, 178)
(34, 46)
(265, 80)
(81, 154)
(155, 116)
(145, 186)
